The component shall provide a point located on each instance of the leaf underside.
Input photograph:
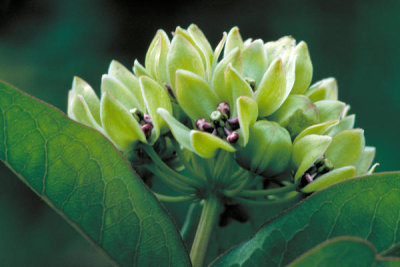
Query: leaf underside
(81, 175)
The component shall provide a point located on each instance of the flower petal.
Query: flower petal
(346, 148)
(325, 89)
(307, 150)
(237, 85)
(254, 61)
(233, 40)
(304, 69)
(330, 109)
(139, 70)
(194, 95)
(156, 56)
(155, 96)
(119, 124)
(218, 51)
(345, 124)
(330, 178)
(202, 42)
(218, 79)
(367, 157)
(272, 91)
(131, 82)
(118, 90)
(316, 129)
(247, 113)
(179, 131)
(182, 55)
(81, 112)
(80, 87)
(207, 145)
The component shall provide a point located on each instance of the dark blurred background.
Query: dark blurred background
(43, 44)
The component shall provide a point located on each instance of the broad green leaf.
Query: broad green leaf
(81, 175)
(131, 82)
(343, 251)
(365, 207)
(182, 55)
(119, 124)
(271, 92)
(194, 95)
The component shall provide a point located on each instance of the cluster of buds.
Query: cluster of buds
(249, 99)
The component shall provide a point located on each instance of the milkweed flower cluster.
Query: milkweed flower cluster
(228, 119)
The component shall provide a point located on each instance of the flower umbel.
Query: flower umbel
(238, 124)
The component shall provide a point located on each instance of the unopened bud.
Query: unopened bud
(233, 137)
(234, 123)
(146, 118)
(223, 107)
(147, 129)
(204, 125)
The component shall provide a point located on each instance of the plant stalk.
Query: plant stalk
(208, 220)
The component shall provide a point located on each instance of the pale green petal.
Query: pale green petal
(345, 124)
(194, 95)
(233, 40)
(218, 79)
(118, 90)
(237, 86)
(346, 148)
(139, 70)
(81, 112)
(304, 69)
(119, 124)
(325, 89)
(272, 91)
(367, 157)
(179, 131)
(307, 150)
(330, 109)
(156, 56)
(316, 129)
(182, 55)
(122, 74)
(80, 87)
(281, 48)
(330, 178)
(248, 113)
(155, 96)
(207, 145)
(254, 61)
(202, 42)
(217, 52)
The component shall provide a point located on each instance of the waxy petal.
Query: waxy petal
(233, 40)
(119, 124)
(155, 96)
(330, 109)
(194, 95)
(131, 82)
(217, 52)
(346, 123)
(254, 61)
(139, 70)
(118, 90)
(346, 148)
(218, 79)
(81, 112)
(272, 91)
(307, 150)
(202, 42)
(248, 113)
(319, 129)
(325, 89)
(156, 57)
(80, 87)
(330, 178)
(366, 159)
(281, 48)
(207, 145)
(304, 69)
(182, 55)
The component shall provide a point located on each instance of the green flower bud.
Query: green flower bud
(268, 151)
(296, 114)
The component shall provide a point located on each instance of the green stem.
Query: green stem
(251, 202)
(208, 219)
(266, 192)
(190, 219)
(166, 198)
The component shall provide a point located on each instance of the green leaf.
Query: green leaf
(81, 175)
(272, 91)
(365, 207)
(182, 55)
(343, 251)
(194, 95)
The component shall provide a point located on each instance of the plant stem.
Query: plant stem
(165, 198)
(208, 219)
